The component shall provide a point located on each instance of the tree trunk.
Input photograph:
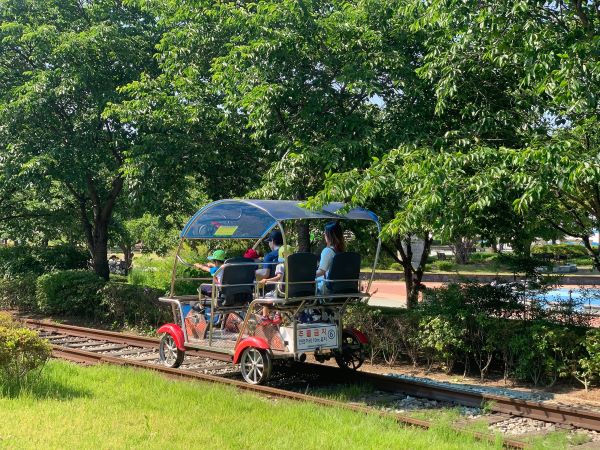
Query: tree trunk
(522, 247)
(494, 246)
(96, 230)
(126, 249)
(593, 252)
(463, 247)
(100, 249)
(403, 254)
(303, 230)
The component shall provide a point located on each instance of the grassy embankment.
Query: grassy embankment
(113, 407)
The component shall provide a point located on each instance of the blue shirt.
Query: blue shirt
(271, 257)
(326, 260)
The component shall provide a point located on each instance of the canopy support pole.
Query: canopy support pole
(376, 256)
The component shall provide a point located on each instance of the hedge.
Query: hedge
(133, 305)
(480, 329)
(21, 260)
(18, 292)
(568, 250)
(72, 292)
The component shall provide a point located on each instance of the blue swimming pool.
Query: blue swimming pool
(589, 297)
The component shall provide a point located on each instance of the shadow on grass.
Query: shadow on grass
(40, 387)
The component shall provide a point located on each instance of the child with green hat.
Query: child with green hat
(216, 260)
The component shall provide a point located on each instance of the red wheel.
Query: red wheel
(255, 365)
(352, 354)
(169, 354)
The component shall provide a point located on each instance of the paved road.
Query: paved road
(392, 293)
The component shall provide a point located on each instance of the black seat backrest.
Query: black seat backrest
(242, 275)
(300, 275)
(345, 266)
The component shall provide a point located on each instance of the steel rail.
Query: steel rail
(86, 357)
(576, 417)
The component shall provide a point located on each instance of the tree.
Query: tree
(552, 48)
(61, 63)
(185, 140)
(310, 81)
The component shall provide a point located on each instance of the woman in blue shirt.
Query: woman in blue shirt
(334, 239)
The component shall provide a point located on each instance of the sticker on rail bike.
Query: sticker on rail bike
(225, 230)
(317, 336)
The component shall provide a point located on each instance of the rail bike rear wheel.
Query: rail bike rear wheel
(352, 354)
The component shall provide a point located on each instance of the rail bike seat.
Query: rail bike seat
(237, 284)
(299, 277)
(343, 276)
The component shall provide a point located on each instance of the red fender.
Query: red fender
(176, 332)
(359, 335)
(252, 341)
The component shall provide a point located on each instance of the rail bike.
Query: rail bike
(223, 320)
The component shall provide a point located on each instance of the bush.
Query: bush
(156, 273)
(442, 340)
(482, 256)
(445, 266)
(21, 352)
(568, 250)
(587, 370)
(486, 327)
(545, 352)
(73, 292)
(133, 305)
(7, 321)
(21, 259)
(18, 292)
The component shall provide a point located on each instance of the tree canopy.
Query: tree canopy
(461, 120)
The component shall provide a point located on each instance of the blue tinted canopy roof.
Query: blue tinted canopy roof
(253, 219)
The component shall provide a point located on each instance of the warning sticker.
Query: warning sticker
(224, 230)
(319, 336)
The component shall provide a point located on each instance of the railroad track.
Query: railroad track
(91, 346)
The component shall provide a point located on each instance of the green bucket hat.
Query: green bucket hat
(217, 255)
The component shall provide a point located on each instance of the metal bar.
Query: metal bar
(376, 256)
(174, 274)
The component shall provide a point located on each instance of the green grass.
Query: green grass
(113, 407)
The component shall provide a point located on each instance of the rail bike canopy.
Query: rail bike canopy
(254, 219)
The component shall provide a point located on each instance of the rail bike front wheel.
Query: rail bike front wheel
(168, 352)
(255, 365)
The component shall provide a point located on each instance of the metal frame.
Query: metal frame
(280, 303)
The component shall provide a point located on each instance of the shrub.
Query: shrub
(482, 256)
(445, 266)
(69, 292)
(21, 352)
(7, 321)
(369, 321)
(396, 266)
(21, 259)
(18, 260)
(156, 273)
(544, 352)
(568, 250)
(588, 368)
(61, 257)
(442, 341)
(133, 305)
(18, 292)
